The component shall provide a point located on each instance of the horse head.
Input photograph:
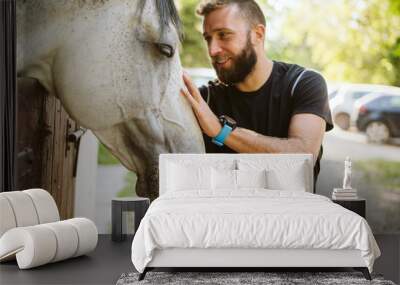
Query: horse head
(115, 67)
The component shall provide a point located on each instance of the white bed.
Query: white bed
(205, 220)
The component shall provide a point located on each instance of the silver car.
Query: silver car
(342, 105)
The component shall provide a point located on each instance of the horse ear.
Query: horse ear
(169, 16)
(158, 22)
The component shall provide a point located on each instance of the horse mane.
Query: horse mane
(167, 11)
(167, 14)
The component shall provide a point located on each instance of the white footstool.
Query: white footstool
(31, 232)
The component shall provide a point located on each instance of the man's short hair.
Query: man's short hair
(249, 9)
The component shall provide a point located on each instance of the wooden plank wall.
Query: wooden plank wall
(43, 126)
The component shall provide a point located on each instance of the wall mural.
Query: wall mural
(114, 66)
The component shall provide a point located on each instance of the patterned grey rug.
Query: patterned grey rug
(242, 278)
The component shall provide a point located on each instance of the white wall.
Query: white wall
(85, 183)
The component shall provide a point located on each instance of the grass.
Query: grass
(387, 173)
(105, 157)
(130, 184)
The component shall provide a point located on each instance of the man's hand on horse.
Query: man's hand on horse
(208, 122)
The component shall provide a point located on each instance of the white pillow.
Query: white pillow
(293, 180)
(181, 177)
(235, 179)
(282, 174)
(251, 178)
(223, 179)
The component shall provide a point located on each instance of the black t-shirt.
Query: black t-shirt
(288, 91)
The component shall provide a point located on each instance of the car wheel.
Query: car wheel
(343, 121)
(377, 132)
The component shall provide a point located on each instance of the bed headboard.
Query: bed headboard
(282, 162)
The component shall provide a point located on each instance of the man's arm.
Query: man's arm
(306, 132)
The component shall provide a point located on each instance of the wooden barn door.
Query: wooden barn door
(46, 147)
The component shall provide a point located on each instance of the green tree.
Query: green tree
(349, 40)
(394, 52)
(194, 51)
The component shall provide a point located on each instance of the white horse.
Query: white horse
(114, 65)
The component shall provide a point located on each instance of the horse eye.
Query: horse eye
(165, 49)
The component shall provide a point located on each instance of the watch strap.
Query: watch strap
(223, 134)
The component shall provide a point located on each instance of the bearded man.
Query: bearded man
(257, 105)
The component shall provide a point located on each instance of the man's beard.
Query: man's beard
(242, 65)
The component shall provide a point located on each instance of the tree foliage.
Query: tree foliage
(394, 52)
(349, 40)
(194, 51)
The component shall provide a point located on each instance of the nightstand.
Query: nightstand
(138, 205)
(358, 206)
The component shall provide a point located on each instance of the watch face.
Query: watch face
(227, 120)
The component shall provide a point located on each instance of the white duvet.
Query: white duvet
(251, 218)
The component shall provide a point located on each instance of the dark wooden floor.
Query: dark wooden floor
(110, 260)
(102, 266)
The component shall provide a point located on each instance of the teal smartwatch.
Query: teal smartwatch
(228, 125)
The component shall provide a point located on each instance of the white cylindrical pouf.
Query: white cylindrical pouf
(7, 218)
(34, 246)
(45, 205)
(67, 239)
(23, 207)
(87, 234)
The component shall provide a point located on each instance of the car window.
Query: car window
(358, 94)
(382, 102)
(332, 94)
(395, 102)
